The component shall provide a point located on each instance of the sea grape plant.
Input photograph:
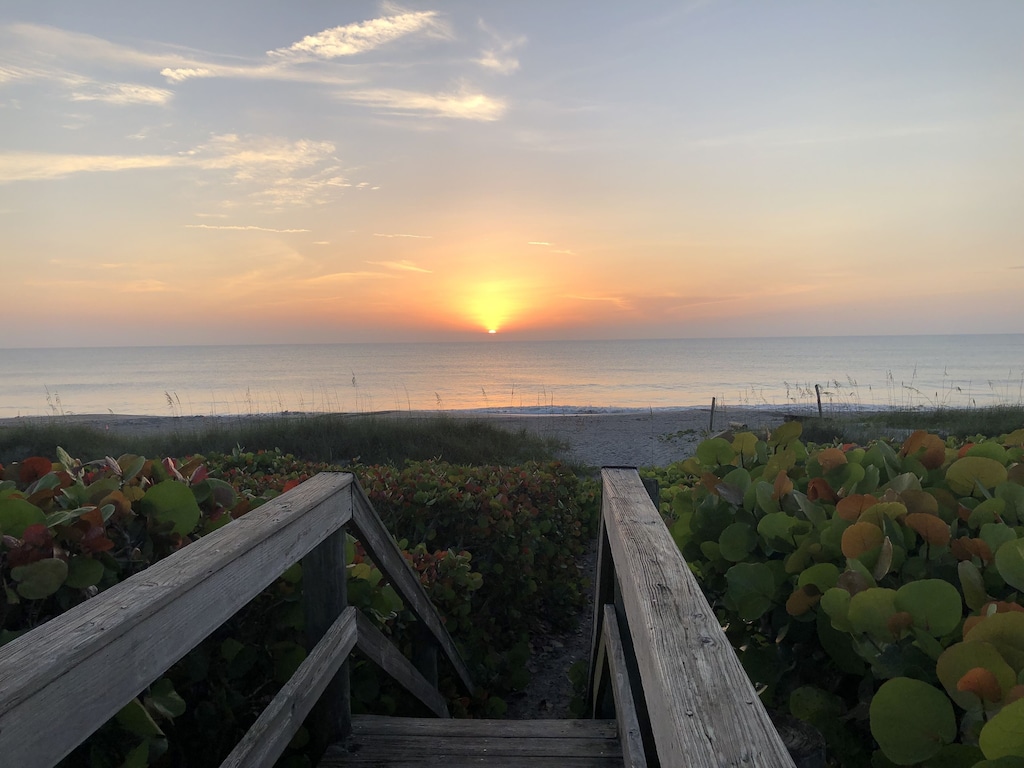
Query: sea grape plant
(873, 590)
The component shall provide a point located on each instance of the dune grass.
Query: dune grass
(947, 422)
(367, 439)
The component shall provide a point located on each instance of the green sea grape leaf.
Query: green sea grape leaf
(1006, 632)
(906, 481)
(965, 475)
(822, 575)
(165, 700)
(134, 718)
(84, 572)
(996, 534)
(17, 514)
(171, 501)
(836, 603)
(736, 542)
(973, 585)
(960, 658)
(751, 589)
(1010, 562)
(990, 450)
(1013, 495)
(870, 611)
(715, 452)
(41, 578)
(1003, 735)
(911, 720)
(780, 530)
(935, 605)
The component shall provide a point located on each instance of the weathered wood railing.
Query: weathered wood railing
(661, 663)
(61, 681)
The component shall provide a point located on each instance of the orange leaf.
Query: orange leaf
(1014, 694)
(818, 488)
(860, 538)
(982, 683)
(931, 528)
(966, 548)
(964, 449)
(831, 458)
(929, 449)
(783, 486)
(802, 600)
(710, 481)
(851, 507)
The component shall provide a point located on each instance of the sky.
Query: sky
(284, 172)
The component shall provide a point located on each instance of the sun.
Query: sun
(493, 330)
(491, 305)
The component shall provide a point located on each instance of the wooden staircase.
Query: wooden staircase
(665, 687)
(402, 742)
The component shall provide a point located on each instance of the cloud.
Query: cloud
(538, 242)
(27, 166)
(461, 104)
(181, 74)
(499, 58)
(359, 37)
(401, 266)
(125, 93)
(554, 250)
(243, 228)
(417, 237)
(345, 277)
(321, 242)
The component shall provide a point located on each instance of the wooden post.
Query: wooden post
(324, 597)
(711, 426)
(817, 391)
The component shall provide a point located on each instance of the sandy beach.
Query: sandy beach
(629, 438)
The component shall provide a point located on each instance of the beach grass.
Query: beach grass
(851, 426)
(336, 438)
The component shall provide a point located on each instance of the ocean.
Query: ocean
(517, 376)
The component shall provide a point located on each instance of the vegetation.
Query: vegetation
(336, 438)
(873, 590)
(962, 423)
(71, 529)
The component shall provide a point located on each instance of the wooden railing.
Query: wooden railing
(661, 663)
(64, 679)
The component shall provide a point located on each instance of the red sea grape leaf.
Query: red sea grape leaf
(802, 600)
(928, 449)
(982, 683)
(1014, 694)
(851, 507)
(290, 484)
(95, 540)
(899, 622)
(930, 527)
(34, 467)
(830, 458)
(818, 488)
(860, 538)
(966, 548)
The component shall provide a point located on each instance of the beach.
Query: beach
(654, 437)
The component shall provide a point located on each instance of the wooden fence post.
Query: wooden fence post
(324, 597)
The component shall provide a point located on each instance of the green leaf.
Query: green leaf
(823, 575)
(1006, 632)
(165, 700)
(961, 658)
(715, 452)
(134, 718)
(1010, 563)
(736, 542)
(751, 588)
(935, 605)
(1003, 735)
(973, 585)
(84, 572)
(911, 720)
(870, 611)
(41, 578)
(172, 502)
(965, 475)
(17, 514)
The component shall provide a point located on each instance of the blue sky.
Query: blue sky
(234, 172)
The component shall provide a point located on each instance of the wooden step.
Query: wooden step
(409, 741)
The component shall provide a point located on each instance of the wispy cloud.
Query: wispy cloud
(244, 228)
(463, 103)
(498, 57)
(360, 37)
(26, 166)
(398, 234)
(124, 93)
(345, 277)
(401, 266)
(538, 242)
(553, 250)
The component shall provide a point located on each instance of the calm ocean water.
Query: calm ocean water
(854, 372)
